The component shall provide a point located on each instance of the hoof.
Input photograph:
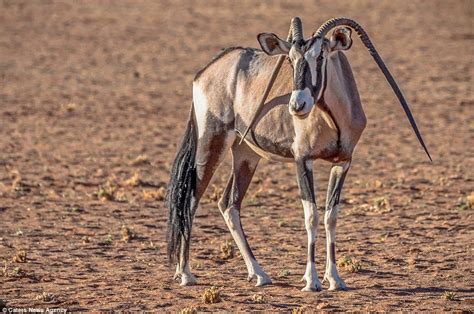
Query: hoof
(187, 279)
(262, 279)
(337, 284)
(311, 285)
(341, 287)
(310, 288)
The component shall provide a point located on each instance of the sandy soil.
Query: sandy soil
(93, 102)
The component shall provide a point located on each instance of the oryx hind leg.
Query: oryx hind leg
(336, 182)
(213, 142)
(245, 162)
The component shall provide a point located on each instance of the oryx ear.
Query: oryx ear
(341, 39)
(272, 45)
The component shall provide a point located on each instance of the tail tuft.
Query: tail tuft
(179, 196)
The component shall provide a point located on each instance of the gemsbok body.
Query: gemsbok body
(313, 112)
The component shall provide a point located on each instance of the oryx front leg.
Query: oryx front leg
(244, 164)
(336, 181)
(306, 185)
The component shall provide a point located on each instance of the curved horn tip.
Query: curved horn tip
(297, 28)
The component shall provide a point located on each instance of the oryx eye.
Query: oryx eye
(319, 58)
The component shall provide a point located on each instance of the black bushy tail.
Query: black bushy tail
(181, 189)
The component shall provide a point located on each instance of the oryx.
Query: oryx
(325, 121)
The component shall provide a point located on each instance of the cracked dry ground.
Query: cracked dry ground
(93, 102)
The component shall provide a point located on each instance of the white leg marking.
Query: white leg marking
(311, 223)
(331, 274)
(231, 217)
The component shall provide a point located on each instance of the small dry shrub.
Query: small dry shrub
(69, 107)
(449, 296)
(258, 298)
(216, 193)
(465, 203)
(349, 263)
(470, 201)
(211, 295)
(133, 181)
(381, 205)
(154, 195)
(5, 268)
(377, 184)
(227, 250)
(108, 239)
(188, 310)
(323, 305)
(17, 272)
(107, 192)
(20, 257)
(284, 273)
(126, 233)
(46, 297)
(19, 187)
(140, 160)
(299, 310)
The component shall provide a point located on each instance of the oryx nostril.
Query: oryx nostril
(299, 106)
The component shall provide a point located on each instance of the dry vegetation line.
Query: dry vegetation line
(318, 75)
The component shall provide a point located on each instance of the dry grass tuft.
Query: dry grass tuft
(465, 203)
(19, 187)
(284, 273)
(107, 192)
(188, 310)
(258, 298)
(69, 107)
(211, 295)
(140, 160)
(349, 264)
(5, 268)
(227, 250)
(46, 297)
(20, 257)
(216, 193)
(154, 195)
(299, 310)
(449, 296)
(126, 233)
(323, 305)
(17, 272)
(108, 239)
(133, 181)
(377, 184)
(470, 201)
(381, 205)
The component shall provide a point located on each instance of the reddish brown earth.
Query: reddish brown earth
(93, 92)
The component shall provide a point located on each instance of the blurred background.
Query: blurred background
(94, 97)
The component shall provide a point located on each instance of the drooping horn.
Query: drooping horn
(330, 24)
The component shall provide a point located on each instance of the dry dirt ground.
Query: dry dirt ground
(93, 101)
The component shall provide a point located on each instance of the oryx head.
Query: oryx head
(309, 61)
